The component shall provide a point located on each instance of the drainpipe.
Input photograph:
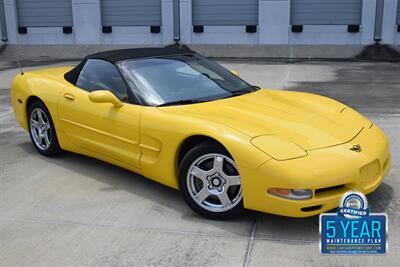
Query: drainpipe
(378, 21)
(3, 22)
(176, 17)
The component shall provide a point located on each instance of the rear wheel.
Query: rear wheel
(42, 130)
(210, 182)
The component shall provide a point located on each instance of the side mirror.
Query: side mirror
(235, 72)
(104, 96)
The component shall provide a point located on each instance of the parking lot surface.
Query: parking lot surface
(77, 211)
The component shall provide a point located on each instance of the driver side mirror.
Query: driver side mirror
(104, 96)
(235, 72)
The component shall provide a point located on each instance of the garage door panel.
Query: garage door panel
(43, 3)
(131, 12)
(225, 12)
(398, 12)
(325, 12)
(44, 13)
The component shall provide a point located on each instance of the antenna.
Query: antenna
(17, 60)
(20, 68)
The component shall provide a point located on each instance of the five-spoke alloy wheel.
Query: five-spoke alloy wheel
(210, 182)
(41, 130)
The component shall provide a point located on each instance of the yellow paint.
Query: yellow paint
(277, 147)
(104, 96)
(278, 139)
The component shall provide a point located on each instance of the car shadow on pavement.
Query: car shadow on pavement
(268, 226)
(166, 203)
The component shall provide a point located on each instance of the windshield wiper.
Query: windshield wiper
(181, 102)
(242, 92)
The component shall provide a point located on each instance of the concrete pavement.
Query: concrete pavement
(77, 211)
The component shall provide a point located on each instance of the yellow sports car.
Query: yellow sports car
(180, 119)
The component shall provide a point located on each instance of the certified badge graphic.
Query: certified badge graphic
(353, 205)
(353, 229)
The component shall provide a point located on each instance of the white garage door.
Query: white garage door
(325, 12)
(131, 12)
(225, 12)
(44, 13)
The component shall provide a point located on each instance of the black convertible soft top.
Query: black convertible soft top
(124, 54)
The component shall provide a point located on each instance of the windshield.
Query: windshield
(180, 79)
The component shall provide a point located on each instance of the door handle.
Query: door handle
(69, 96)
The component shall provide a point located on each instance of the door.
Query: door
(325, 12)
(225, 12)
(101, 127)
(42, 13)
(398, 13)
(131, 13)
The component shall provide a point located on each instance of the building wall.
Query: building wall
(390, 34)
(87, 27)
(274, 27)
(2, 23)
(1, 41)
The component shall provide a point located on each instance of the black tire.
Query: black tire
(53, 148)
(193, 155)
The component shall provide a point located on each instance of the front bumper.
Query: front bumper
(328, 172)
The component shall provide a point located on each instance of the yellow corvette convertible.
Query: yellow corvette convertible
(180, 119)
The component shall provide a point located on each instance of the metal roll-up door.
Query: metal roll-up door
(131, 12)
(325, 12)
(398, 12)
(225, 12)
(44, 13)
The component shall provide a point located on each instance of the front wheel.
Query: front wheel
(210, 182)
(42, 130)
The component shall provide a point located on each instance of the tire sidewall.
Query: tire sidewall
(54, 147)
(192, 155)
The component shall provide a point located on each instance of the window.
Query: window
(177, 78)
(102, 75)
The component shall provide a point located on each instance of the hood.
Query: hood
(308, 120)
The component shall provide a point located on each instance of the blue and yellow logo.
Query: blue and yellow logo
(353, 229)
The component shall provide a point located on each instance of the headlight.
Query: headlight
(296, 194)
(277, 147)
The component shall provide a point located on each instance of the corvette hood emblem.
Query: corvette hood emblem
(356, 148)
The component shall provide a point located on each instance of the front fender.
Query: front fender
(164, 132)
(29, 85)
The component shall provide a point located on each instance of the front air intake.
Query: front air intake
(329, 189)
